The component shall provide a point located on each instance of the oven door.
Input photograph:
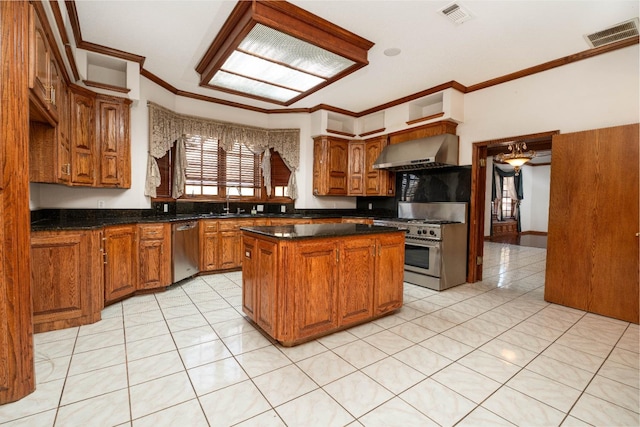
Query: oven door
(422, 257)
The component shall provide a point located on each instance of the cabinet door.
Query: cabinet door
(315, 304)
(357, 275)
(39, 57)
(112, 130)
(249, 277)
(356, 168)
(228, 242)
(389, 273)
(59, 275)
(82, 139)
(319, 171)
(266, 285)
(121, 262)
(155, 256)
(378, 182)
(55, 82)
(337, 167)
(208, 245)
(64, 149)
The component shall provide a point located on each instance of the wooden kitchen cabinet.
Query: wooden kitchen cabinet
(113, 141)
(356, 175)
(357, 269)
(82, 137)
(154, 255)
(297, 290)
(120, 262)
(289, 221)
(44, 74)
(208, 231)
(330, 166)
(66, 278)
(378, 182)
(314, 306)
(390, 254)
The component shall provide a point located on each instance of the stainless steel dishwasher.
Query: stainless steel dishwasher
(185, 250)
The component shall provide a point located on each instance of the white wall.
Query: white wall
(589, 94)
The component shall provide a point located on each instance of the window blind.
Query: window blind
(203, 171)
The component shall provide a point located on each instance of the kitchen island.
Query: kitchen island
(300, 282)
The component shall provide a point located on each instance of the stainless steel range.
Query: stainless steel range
(435, 243)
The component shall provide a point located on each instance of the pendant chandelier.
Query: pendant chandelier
(517, 155)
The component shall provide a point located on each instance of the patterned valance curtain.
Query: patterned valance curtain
(167, 128)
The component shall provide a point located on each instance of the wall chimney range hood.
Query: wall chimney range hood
(424, 153)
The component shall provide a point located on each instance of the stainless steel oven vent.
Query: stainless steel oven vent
(622, 31)
(455, 12)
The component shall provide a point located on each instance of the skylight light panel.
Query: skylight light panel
(252, 87)
(269, 43)
(260, 69)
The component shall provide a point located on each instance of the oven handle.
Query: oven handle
(433, 244)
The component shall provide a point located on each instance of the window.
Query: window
(507, 204)
(280, 174)
(213, 173)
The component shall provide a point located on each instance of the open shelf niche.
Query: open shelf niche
(109, 73)
(445, 105)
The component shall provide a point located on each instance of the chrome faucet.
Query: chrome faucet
(227, 208)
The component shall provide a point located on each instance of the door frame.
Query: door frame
(480, 151)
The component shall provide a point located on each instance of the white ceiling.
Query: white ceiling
(501, 38)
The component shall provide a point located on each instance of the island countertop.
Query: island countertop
(311, 231)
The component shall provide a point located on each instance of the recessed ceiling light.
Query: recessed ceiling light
(277, 52)
(392, 51)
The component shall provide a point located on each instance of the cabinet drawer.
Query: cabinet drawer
(209, 226)
(234, 225)
(151, 231)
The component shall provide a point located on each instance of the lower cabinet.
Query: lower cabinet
(155, 256)
(120, 262)
(298, 290)
(66, 278)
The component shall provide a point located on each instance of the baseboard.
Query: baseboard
(534, 233)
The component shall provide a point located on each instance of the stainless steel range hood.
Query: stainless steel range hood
(424, 153)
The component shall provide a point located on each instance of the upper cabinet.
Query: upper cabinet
(90, 145)
(345, 168)
(44, 73)
(113, 141)
(377, 182)
(83, 150)
(330, 166)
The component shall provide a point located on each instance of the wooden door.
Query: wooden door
(121, 262)
(592, 246)
(357, 276)
(356, 168)
(266, 285)
(314, 304)
(82, 136)
(389, 273)
(319, 171)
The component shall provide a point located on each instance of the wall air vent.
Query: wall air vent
(455, 12)
(622, 31)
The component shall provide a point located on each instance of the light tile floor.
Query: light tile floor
(490, 353)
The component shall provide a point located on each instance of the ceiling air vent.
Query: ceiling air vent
(455, 12)
(618, 32)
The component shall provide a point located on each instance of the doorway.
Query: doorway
(480, 152)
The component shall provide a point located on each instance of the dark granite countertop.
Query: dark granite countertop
(312, 231)
(91, 222)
